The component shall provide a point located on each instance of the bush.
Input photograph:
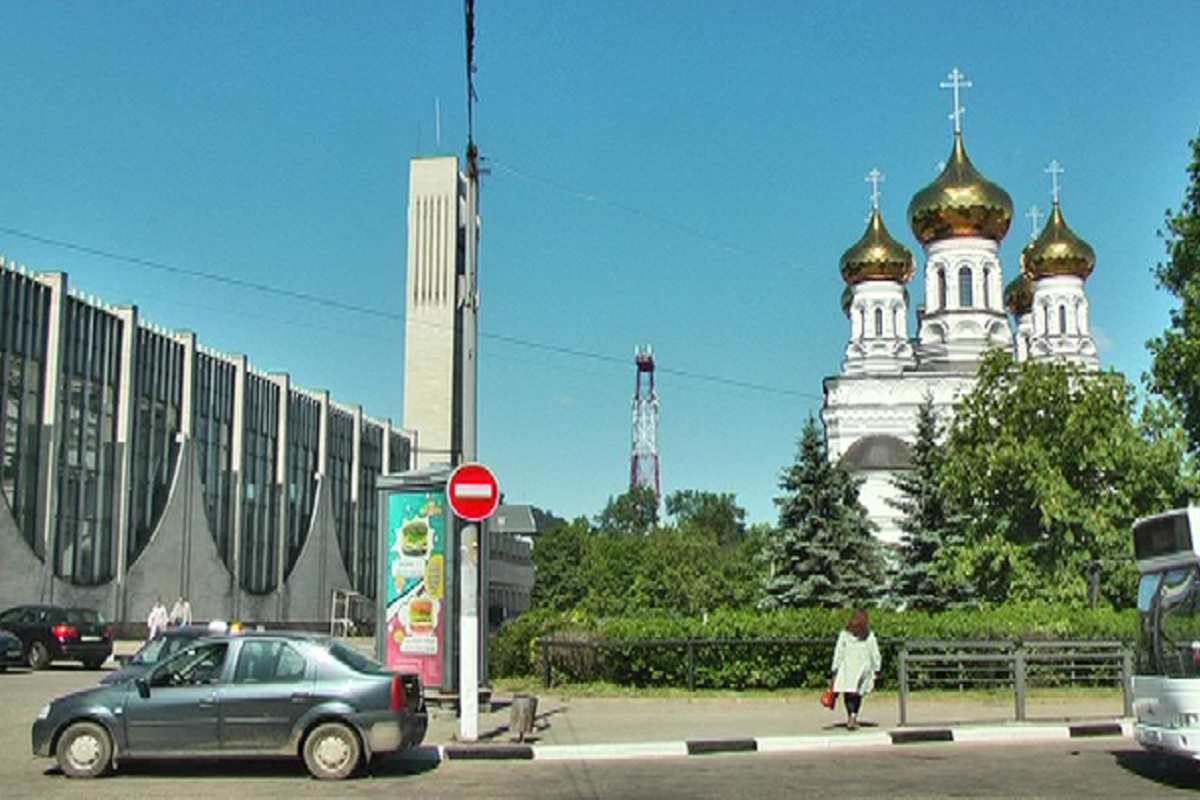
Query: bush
(787, 648)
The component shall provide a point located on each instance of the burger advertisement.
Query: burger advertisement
(416, 571)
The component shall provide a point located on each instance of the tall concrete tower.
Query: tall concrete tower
(437, 210)
(643, 463)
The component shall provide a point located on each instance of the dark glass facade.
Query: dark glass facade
(116, 436)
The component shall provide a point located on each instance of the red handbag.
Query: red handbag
(829, 699)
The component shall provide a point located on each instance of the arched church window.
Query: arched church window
(1062, 319)
(940, 300)
(862, 321)
(987, 294)
(895, 322)
(965, 298)
(879, 322)
(1046, 319)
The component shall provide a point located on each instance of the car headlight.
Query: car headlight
(45, 712)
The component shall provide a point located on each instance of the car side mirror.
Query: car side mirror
(143, 687)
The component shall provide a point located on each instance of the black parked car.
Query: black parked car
(257, 694)
(53, 633)
(164, 645)
(12, 652)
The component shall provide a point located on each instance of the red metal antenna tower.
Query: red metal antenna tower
(643, 464)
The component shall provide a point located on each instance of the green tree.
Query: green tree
(1048, 468)
(925, 522)
(1175, 368)
(635, 512)
(560, 559)
(709, 511)
(824, 552)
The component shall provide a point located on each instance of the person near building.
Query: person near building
(181, 612)
(158, 619)
(856, 664)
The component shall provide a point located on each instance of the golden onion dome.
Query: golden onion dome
(1018, 296)
(1057, 251)
(960, 202)
(877, 256)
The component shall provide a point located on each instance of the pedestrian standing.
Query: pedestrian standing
(181, 612)
(157, 621)
(856, 664)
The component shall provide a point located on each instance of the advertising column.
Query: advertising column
(414, 623)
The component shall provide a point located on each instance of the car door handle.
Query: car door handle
(301, 697)
(208, 702)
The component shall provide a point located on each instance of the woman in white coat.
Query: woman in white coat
(856, 664)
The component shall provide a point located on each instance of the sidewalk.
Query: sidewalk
(582, 727)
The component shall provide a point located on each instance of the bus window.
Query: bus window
(1179, 623)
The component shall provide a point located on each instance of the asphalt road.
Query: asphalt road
(1077, 768)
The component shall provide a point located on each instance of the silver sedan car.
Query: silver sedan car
(256, 694)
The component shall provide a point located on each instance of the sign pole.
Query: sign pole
(468, 636)
(473, 494)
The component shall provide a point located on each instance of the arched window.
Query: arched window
(1046, 320)
(1062, 319)
(940, 300)
(965, 298)
(862, 321)
(895, 323)
(879, 322)
(987, 294)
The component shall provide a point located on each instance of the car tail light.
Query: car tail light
(108, 631)
(64, 631)
(399, 695)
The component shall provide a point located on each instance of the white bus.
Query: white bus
(1166, 682)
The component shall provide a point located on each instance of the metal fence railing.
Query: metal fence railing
(803, 662)
(1019, 664)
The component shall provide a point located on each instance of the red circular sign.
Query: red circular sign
(473, 492)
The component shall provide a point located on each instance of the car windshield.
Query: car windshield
(354, 659)
(159, 649)
(78, 615)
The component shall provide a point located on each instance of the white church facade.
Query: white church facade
(960, 219)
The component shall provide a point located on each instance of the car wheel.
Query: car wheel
(38, 656)
(332, 751)
(84, 750)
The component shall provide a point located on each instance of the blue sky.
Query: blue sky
(679, 174)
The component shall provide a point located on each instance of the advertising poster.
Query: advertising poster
(416, 586)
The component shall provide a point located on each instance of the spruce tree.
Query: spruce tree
(824, 553)
(925, 524)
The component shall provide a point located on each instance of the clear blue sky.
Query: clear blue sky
(679, 174)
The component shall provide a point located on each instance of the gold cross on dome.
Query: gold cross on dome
(957, 81)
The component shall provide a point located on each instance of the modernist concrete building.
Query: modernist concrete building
(139, 463)
(436, 233)
(871, 407)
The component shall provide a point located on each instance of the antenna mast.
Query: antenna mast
(643, 466)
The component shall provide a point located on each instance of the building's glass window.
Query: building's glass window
(260, 515)
(25, 308)
(213, 415)
(987, 287)
(942, 298)
(341, 460)
(400, 454)
(879, 322)
(158, 396)
(966, 297)
(371, 450)
(1062, 319)
(303, 442)
(85, 535)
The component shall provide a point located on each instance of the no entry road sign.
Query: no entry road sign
(473, 492)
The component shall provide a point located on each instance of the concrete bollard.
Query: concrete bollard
(521, 715)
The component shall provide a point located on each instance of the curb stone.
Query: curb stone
(767, 744)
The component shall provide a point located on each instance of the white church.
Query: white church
(960, 219)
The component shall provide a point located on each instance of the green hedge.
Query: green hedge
(614, 649)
